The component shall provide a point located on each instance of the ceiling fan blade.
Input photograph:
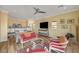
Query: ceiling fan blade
(42, 12)
(35, 13)
(60, 6)
(34, 8)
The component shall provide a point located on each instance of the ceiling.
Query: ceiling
(27, 11)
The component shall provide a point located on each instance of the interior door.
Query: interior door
(77, 32)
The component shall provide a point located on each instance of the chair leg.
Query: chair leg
(22, 45)
(49, 50)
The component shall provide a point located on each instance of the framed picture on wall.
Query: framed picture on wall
(64, 26)
(62, 21)
(70, 21)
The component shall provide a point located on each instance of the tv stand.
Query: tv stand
(43, 32)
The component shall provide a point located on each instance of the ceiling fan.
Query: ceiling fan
(37, 10)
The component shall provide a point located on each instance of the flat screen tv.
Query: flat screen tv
(44, 25)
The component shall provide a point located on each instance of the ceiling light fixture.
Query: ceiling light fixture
(62, 6)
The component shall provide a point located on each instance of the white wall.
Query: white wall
(3, 25)
(60, 31)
